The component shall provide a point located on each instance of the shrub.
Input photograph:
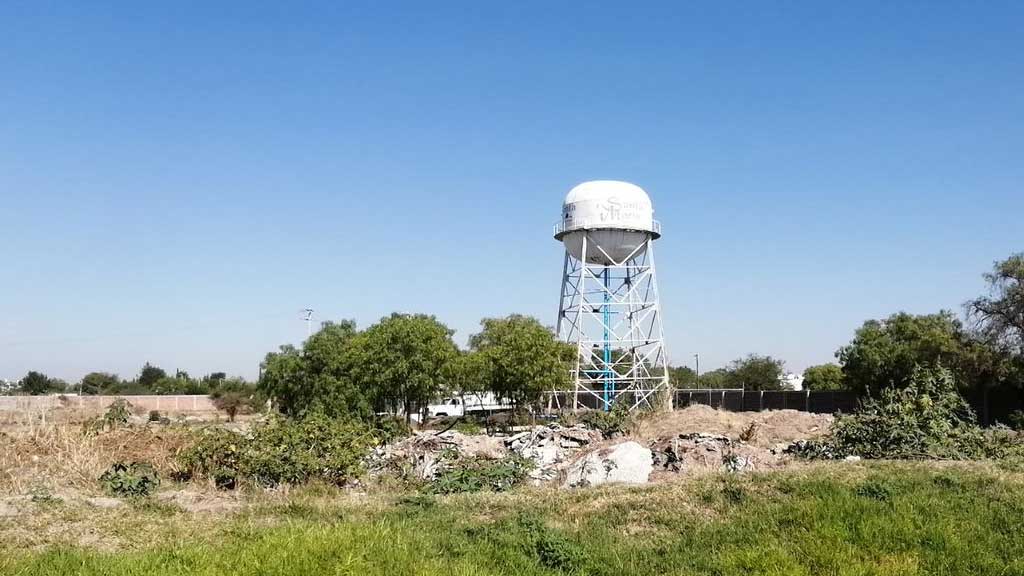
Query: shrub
(610, 424)
(1003, 443)
(118, 413)
(568, 418)
(927, 419)
(135, 479)
(480, 474)
(1016, 420)
(293, 451)
(391, 428)
(280, 451)
(232, 402)
(217, 455)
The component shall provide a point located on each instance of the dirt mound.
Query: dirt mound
(772, 427)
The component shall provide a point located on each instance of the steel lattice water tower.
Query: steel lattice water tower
(609, 307)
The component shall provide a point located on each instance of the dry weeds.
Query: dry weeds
(61, 457)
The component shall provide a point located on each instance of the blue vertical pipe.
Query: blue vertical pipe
(609, 374)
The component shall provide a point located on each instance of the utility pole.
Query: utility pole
(308, 312)
(696, 358)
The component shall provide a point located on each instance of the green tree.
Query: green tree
(401, 362)
(718, 378)
(999, 316)
(235, 396)
(885, 353)
(466, 373)
(324, 352)
(283, 378)
(150, 375)
(37, 383)
(181, 383)
(824, 377)
(316, 378)
(755, 373)
(214, 379)
(98, 383)
(682, 377)
(523, 358)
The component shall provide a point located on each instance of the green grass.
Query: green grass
(871, 519)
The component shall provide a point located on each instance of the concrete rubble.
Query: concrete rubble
(696, 450)
(550, 447)
(578, 456)
(625, 463)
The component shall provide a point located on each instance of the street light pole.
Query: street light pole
(308, 312)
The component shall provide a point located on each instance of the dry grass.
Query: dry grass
(66, 456)
(13, 420)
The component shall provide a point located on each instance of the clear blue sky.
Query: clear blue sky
(177, 182)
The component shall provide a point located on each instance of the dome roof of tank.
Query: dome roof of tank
(601, 189)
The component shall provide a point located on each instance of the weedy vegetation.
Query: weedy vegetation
(475, 474)
(867, 518)
(928, 419)
(280, 451)
(612, 423)
(130, 479)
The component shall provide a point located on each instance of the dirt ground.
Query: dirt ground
(773, 426)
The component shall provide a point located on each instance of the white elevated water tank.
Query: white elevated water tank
(616, 218)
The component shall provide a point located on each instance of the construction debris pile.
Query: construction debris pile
(575, 456)
(551, 448)
(686, 452)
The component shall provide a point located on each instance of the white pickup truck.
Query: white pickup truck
(467, 404)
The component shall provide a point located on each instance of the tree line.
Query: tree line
(150, 380)
(404, 361)
(983, 348)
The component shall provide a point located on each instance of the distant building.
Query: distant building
(7, 386)
(792, 381)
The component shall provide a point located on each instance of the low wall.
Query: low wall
(191, 403)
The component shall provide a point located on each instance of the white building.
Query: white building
(791, 381)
